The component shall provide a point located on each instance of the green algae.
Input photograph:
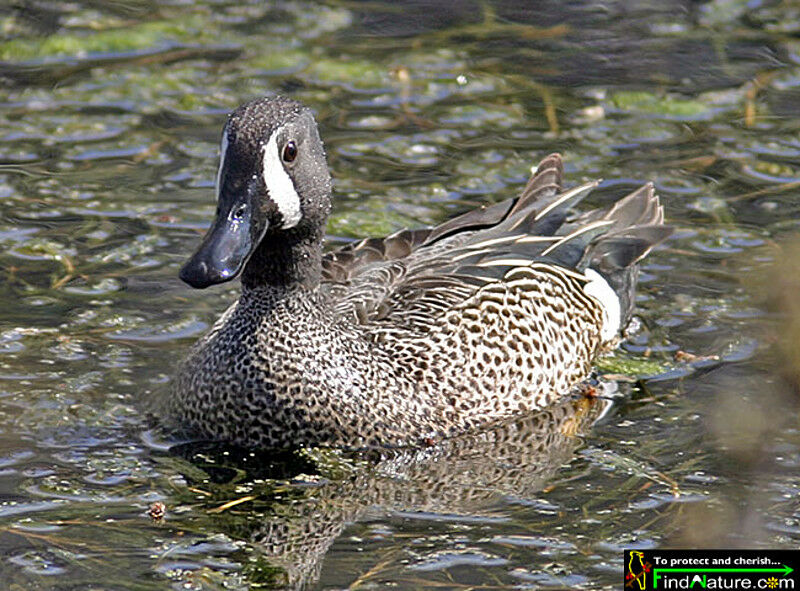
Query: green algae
(634, 367)
(358, 73)
(650, 103)
(144, 36)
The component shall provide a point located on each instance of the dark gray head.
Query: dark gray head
(273, 184)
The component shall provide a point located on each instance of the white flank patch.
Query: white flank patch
(280, 186)
(223, 149)
(599, 289)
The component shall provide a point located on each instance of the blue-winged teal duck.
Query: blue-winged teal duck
(392, 341)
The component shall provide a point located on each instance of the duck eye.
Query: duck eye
(289, 151)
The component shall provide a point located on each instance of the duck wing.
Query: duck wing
(412, 277)
(359, 276)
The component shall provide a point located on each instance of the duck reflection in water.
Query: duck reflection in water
(293, 524)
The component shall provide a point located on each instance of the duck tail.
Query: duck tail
(634, 225)
(606, 245)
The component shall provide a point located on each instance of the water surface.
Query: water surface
(110, 116)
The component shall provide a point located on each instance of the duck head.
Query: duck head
(273, 186)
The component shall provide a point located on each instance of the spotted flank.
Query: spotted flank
(422, 334)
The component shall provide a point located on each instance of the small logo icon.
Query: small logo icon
(636, 575)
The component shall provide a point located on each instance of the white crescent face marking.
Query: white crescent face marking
(599, 289)
(279, 184)
(223, 148)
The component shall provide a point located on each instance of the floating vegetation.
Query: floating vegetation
(150, 35)
(653, 104)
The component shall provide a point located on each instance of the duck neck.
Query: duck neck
(285, 261)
